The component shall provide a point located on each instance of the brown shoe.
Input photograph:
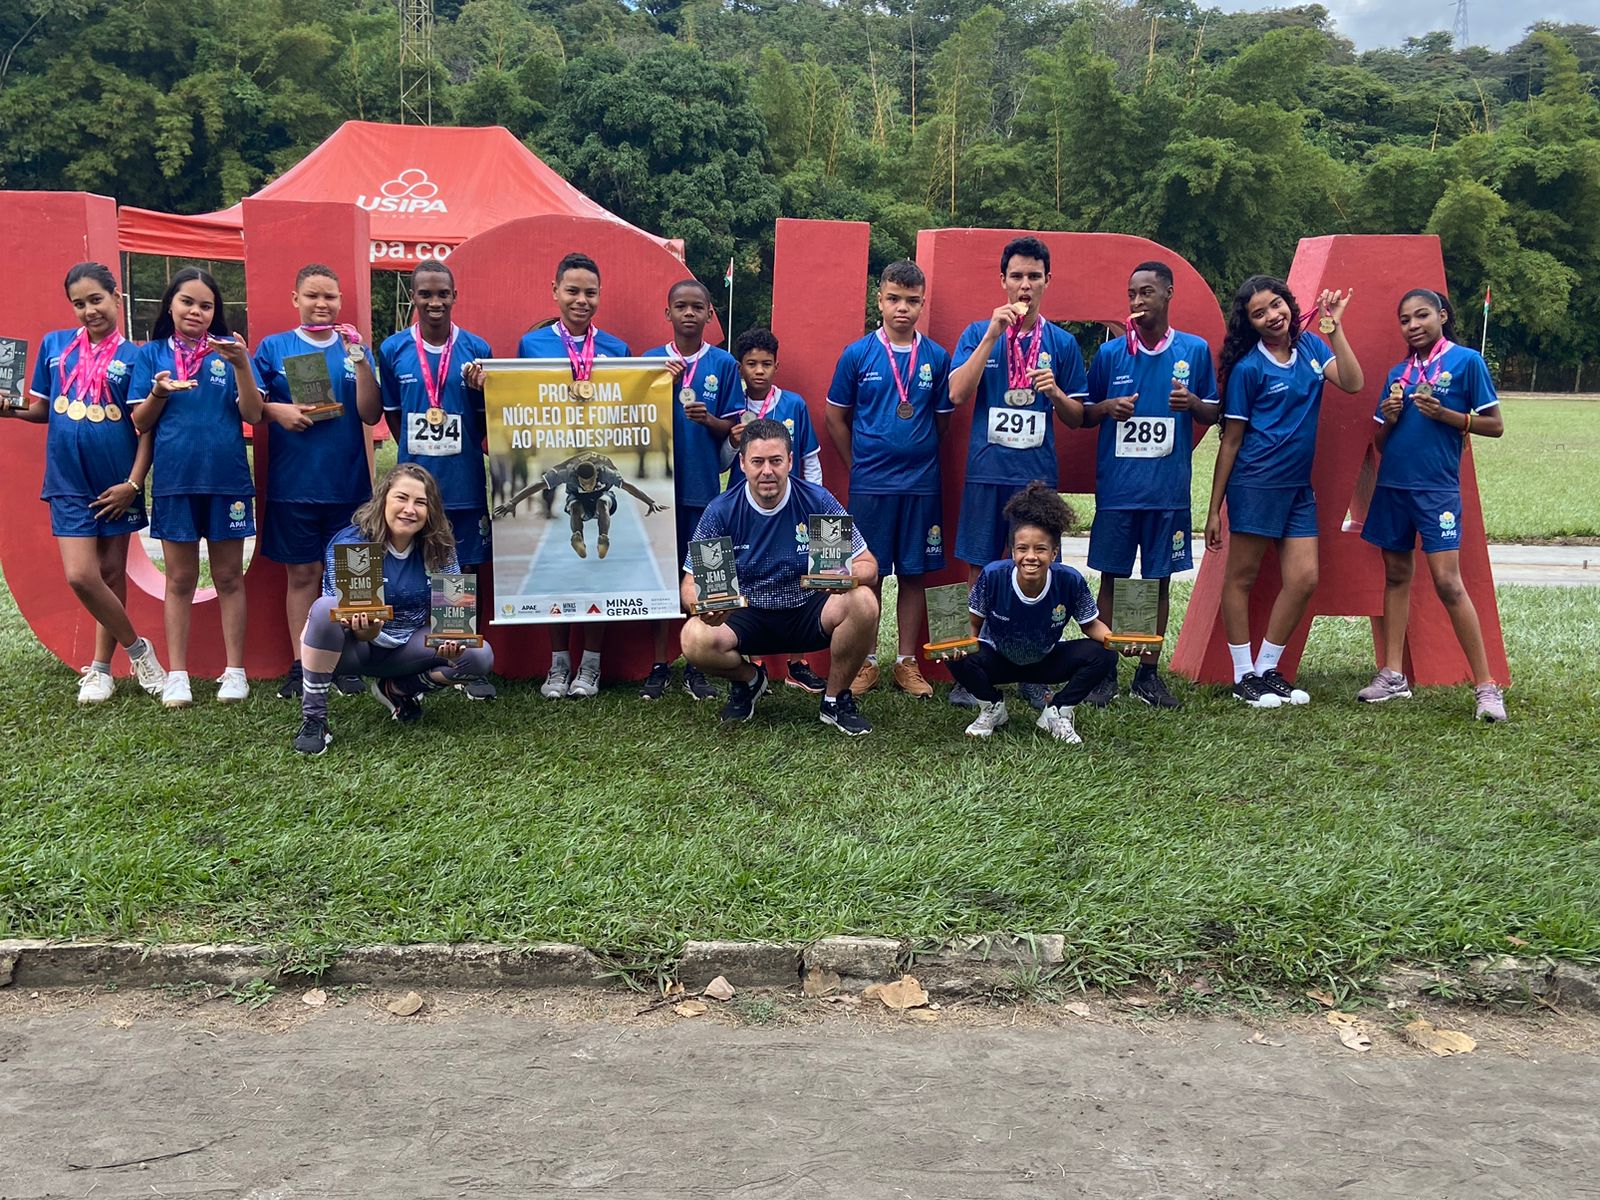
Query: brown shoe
(866, 679)
(908, 678)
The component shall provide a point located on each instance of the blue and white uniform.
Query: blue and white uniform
(713, 376)
(545, 342)
(1269, 490)
(316, 477)
(789, 410)
(1142, 464)
(1010, 446)
(771, 549)
(200, 475)
(1419, 475)
(452, 451)
(894, 450)
(84, 458)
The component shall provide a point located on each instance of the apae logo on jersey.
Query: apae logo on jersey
(935, 537)
(1443, 381)
(1180, 372)
(1447, 524)
(1316, 367)
(117, 369)
(802, 535)
(219, 371)
(1044, 359)
(411, 191)
(925, 373)
(1058, 614)
(1178, 538)
(236, 517)
(711, 384)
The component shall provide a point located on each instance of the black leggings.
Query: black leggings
(1082, 663)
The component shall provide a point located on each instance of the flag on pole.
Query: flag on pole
(1487, 291)
(727, 276)
(727, 280)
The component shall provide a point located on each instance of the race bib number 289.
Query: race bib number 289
(432, 441)
(1145, 437)
(1018, 428)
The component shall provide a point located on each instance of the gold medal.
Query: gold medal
(96, 414)
(1397, 391)
(583, 389)
(113, 413)
(904, 410)
(60, 404)
(76, 409)
(436, 417)
(1423, 391)
(1327, 325)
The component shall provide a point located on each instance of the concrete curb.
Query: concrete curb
(963, 966)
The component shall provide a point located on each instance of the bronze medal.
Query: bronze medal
(1327, 325)
(436, 417)
(583, 389)
(903, 410)
(76, 410)
(96, 414)
(113, 413)
(61, 404)
(1423, 391)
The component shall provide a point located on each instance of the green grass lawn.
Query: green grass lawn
(1282, 848)
(1536, 481)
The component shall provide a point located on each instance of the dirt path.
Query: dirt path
(486, 1096)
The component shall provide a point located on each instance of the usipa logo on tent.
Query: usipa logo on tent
(411, 191)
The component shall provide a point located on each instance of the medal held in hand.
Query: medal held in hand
(716, 578)
(13, 373)
(455, 610)
(1326, 326)
(358, 580)
(832, 541)
(949, 622)
(1019, 363)
(1135, 613)
(311, 386)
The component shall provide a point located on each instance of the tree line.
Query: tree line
(1227, 136)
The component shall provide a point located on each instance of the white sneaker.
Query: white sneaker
(175, 692)
(555, 683)
(588, 681)
(991, 715)
(96, 687)
(234, 687)
(1057, 722)
(148, 670)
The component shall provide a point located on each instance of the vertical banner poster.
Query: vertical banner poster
(581, 491)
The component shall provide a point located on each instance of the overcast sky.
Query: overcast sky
(1493, 23)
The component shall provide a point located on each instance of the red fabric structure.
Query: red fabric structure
(426, 190)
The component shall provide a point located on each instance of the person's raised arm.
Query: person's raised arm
(1344, 370)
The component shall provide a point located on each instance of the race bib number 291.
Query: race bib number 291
(432, 441)
(1018, 428)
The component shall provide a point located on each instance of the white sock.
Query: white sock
(591, 658)
(906, 658)
(560, 660)
(873, 659)
(830, 699)
(233, 673)
(178, 675)
(103, 667)
(1271, 652)
(1241, 660)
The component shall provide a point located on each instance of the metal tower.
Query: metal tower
(416, 62)
(1458, 34)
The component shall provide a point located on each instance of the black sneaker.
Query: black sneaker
(1283, 689)
(1152, 689)
(803, 677)
(742, 697)
(476, 687)
(402, 706)
(1255, 693)
(843, 715)
(1105, 691)
(654, 687)
(313, 737)
(349, 685)
(293, 683)
(697, 685)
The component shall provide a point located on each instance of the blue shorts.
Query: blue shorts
(982, 534)
(300, 533)
(904, 533)
(70, 517)
(471, 527)
(214, 518)
(796, 630)
(688, 518)
(1272, 512)
(1397, 515)
(1160, 535)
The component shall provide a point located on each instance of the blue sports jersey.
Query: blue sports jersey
(1422, 454)
(892, 455)
(788, 409)
(1279, 402)
(1025, 630)
(326, 464)
(1017, 445)
(696, 451)
(84, 458)
(199, 446)
(1131, 478)
(460, 476)
(545, 342)
(771, 547)
(406, 586)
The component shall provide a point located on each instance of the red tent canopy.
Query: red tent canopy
(428, 188)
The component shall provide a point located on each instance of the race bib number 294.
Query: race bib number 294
(432, 441)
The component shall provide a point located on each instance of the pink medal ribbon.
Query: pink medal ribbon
(580, 356)
(911, 367)
(690, 365)
(1135, 341)
(88, 378)
(1018, 361)
(348, 332)
(431, 383)
(1421, 367)
(186, 358)
(764, 407)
